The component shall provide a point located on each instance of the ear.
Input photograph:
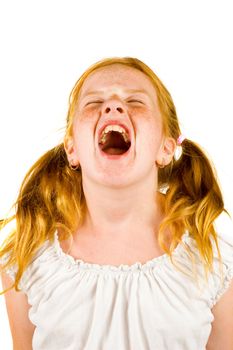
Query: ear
(166, 151)
(70, 150)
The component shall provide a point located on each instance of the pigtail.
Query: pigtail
(193, 199)
(50, 197)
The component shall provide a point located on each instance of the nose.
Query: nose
(113, 106)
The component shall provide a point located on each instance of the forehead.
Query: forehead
(117, 75)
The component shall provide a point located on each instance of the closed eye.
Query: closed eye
(93, 102)
(135, 101)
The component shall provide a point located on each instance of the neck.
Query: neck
(122, 213)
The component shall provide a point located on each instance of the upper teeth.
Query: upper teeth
(109, 128)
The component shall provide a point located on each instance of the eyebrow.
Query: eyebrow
(133, 91)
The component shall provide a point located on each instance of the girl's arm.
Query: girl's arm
(17, 309)
(221, 336)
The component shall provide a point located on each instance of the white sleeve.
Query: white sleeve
(224, 228)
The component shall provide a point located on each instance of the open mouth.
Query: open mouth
(114, 142)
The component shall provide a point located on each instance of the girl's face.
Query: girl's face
(118, 94)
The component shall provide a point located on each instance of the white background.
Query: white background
(46, 46)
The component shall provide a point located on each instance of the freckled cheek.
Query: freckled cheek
(87, 118)
(154, 142)
(83, 133)
(152, 139)
(89, 113)
(149, 136)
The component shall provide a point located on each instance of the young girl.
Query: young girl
(115, 244)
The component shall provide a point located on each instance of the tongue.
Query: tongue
(114, 150)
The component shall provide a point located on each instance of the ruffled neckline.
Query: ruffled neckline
(81, 264)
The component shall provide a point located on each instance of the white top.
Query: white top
(77, 305)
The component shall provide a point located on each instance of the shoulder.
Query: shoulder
(11, 270)
(223, 274)
(221, 336)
